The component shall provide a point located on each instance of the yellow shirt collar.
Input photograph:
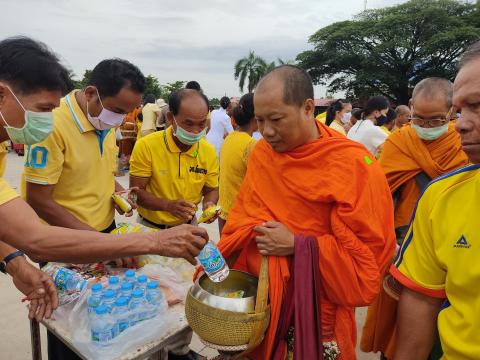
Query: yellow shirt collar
(172, 146)
(78, 116)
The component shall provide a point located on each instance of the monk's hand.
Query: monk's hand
(274, 239)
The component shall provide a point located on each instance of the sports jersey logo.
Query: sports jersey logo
(462, 243)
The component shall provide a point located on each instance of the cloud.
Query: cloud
(176, 40)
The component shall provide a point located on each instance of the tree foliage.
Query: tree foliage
(249, 70)
(387, 51)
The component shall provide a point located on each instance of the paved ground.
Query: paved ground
(14, 332)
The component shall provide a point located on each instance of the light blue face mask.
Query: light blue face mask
(187, 137)
(37, 127)
(430, 133)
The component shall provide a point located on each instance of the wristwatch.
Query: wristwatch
(8, 258)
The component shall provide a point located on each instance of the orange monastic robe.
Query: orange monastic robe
(404, 156)
(334, 190)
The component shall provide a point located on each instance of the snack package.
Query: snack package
(208, 214)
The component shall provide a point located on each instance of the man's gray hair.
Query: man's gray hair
(472, 53)
(435, 89)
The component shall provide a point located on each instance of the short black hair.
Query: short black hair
(193, 85)
(245, 110)
(224, 102)
(29, 66)
(375, 103)
(337, 105)
(176, 97)
(149, 99)
(111, 75)
(472, 53)
(297, 84)
(390, 117)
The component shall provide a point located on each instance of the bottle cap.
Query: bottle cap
(127, 286)
(137, 293)
(121, 301)
(97, 287)
(130, 273)
(102, 309)
(109, 294)
(113, 280)
(152, 285)
(142, 279)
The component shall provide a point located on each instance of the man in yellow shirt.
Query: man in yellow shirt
(150, 113)
(438, 263)
(176, 168)
(32, 80)
(173, 170)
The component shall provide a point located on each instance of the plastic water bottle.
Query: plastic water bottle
(121, 315)
(142, 283)
(138, 307)
(102, 326)
(108, 299)
(213, 263)
(156, 301)
(65, 279)
(95, 298)
(126, 290)
(129, 276)
(114, 284)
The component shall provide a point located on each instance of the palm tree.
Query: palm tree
(250, 68)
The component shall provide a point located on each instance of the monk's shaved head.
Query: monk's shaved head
(434, 89)
(402, 109)
(297, 84)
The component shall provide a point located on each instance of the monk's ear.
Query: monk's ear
(309, 108)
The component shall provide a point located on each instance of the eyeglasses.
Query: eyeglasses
(430, 122)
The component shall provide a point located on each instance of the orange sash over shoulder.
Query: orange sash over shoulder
(405, 155)
(334, 190)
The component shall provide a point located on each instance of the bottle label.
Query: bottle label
(61, 278)
(122, 325)
(103, 336)
(211, 259)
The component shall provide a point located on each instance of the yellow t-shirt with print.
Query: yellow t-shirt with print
(440, 257)
(173, 174)
(233, 161)
(80, 161)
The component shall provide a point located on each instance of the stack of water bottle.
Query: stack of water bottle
(124, 303)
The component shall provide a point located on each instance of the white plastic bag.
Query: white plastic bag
(127, 341)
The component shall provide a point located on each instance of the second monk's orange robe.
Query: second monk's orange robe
(332, 189)
(404, 156)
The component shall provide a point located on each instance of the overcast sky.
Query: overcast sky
(176, 39)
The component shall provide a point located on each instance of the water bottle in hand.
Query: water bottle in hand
(102, 326)
(213, 263)
(65, 279)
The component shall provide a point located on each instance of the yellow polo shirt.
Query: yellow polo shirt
(173, 174)
(3, 157)
(149, 122)
(80, 161)
(6, 192)
(440, 257)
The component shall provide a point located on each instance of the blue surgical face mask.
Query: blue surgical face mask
(187, 137)
(37, 127)
(430, 133)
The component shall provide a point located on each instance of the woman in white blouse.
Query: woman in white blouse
(365, 131)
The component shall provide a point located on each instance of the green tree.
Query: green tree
(153, 86)
(215, 102)
(168, 88)
(250, 69)
(80, 84)
(387, 51)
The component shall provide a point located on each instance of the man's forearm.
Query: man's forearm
(56, 215)
(416, 325)
(150, 201)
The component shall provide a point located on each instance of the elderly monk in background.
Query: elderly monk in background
(425, 149)
(313, 195)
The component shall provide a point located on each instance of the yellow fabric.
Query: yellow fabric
(233, 161)
(173, 174)
(3, 157)
(150, 114)
(71, 159)
(322, 117)
(440, 258)
(6, 192)
(385, 129)
(337, 127)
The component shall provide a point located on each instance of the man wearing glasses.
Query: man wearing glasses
(414, 155)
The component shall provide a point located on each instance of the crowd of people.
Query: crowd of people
(360, 206)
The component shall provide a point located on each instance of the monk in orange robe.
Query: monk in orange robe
(411, 157)
(305, 179)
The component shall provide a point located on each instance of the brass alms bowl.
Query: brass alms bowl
(214, 294)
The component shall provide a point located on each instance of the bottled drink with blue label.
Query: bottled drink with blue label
(142, 282)
(65, 279)
(126, 290)
(102, 326)
(95, 298)
(129, 276)
(121, 315)
(138, 307)
(156, 301)
(114, 284)
(108, 299)
(213, 263)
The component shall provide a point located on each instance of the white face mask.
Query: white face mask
(106, 119)
(346, 117)
(430, 133)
